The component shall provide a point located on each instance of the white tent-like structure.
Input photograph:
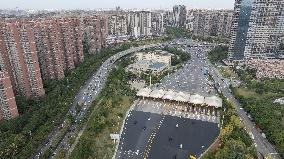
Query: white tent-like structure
(196, 99)
(182, 97)
(157, 93)
(169, 95)
(185, 97)
(145, 92)
(213, 101)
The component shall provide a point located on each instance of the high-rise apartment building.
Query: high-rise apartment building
(257, 29)
(50, 49)
(59, 45)
(20, 57)
(215, 23)
(8, 107)
(179, 15)
(71, 37)
(139, 24)
(95, 33)
(189, 20)
(157, 24)
(168, 18)
(117, 24)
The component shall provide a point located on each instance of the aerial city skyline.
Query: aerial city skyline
(110, 4)
(128, 79)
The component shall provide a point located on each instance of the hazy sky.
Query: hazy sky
(95, 4)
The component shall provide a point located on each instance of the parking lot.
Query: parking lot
(154, 136)
(180, 137)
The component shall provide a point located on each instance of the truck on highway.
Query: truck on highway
(206, 71)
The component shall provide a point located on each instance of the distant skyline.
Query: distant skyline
(107, 4)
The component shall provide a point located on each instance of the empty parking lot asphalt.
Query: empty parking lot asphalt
(156, 136)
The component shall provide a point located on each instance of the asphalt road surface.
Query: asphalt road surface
(199, 55)
(191, 77)
(137, 130)
(86, 95)
(154, 135)
(191, 137)
(262, 144)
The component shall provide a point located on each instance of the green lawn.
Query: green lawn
(228, 73)
(39, 117)
(268, 116)
(117, 97)
(247, 92)
(100, 145)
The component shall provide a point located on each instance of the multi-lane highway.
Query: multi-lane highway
(156, 129)
(261, 143)
(199, 58)
(86, 95)
(190, 79)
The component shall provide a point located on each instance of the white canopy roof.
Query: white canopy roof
(196, 99)
(157, 93)
(182, 97)
(170, 95)
(213, 101)
(145, 92)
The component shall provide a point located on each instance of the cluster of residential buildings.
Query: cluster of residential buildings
(124, 25)
(257, 29)
(155, 62)
(272, 68)
(139, 24)
(33, 50)
(43, 48)
(210, 23)
(256, 35)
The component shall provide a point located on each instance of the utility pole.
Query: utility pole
(150, 80)
(150, 77)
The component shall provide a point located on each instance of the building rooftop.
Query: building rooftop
(196, 99)
(213, 101)
(186, 97)
(157, 65)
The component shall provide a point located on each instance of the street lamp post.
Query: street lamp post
(150, 78)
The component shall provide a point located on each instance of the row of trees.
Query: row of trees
(19, 138)
(211, 39)
(116, 89)
(218, 54)
(281, 46)
(179, 55)
(234, 142)
(268, 116)
(260, 86)
(177, 32)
